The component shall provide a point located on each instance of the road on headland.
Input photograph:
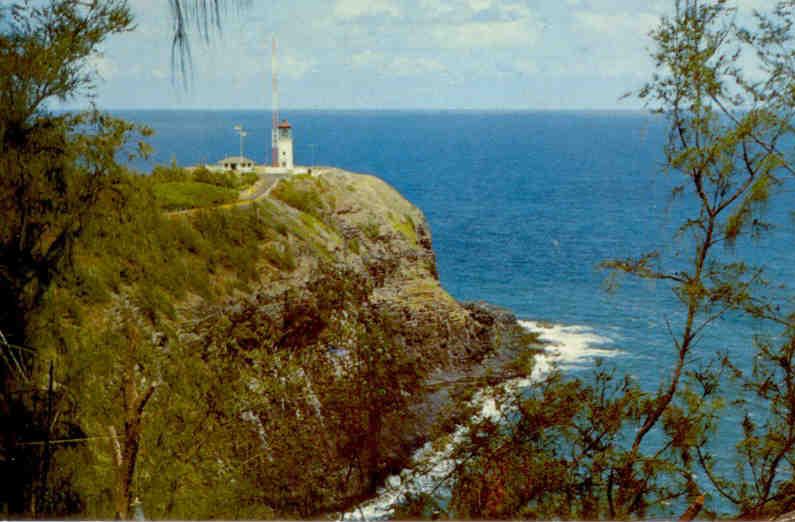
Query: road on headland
(259, 190)
(262, 188)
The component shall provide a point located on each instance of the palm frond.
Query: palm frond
(202, 16)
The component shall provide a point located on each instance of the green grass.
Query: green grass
(406, 229)
(226, 179)
(181, 195)
(372, 230)
(302, 193)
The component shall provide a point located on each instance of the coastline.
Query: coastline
(432, 464)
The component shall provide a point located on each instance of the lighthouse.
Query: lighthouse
(283, 144)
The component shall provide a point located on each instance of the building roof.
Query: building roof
(284, 125)
(235, 159)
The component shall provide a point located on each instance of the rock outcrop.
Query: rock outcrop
(317, 354)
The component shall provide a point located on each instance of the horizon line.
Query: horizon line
(384, 109)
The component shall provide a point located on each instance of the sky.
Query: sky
(393, 54)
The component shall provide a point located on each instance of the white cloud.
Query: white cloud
(352, 9)
(605, 68)
(404, 66)
(451, 48)
(613, 25)
(480, 4)
(295, 66)
(454, 12)
(607, 43)
(366, 59)
(486, 35)
(103, 66)
(396, 65)
(754, 4)
(525, 66)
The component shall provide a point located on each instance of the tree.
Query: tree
(728, 130)
(59, 177)
(55, 167)
(57, 173)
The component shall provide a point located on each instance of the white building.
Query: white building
(283, 144)
(235, 164)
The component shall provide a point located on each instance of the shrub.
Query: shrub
(247, 179)
(219, 179)
(301, 197)
(353, 246)
(226, 179)
(190, 194)
(281, 256)
(169, 173)
(372, 230)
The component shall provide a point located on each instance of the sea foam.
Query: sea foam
(568, 346)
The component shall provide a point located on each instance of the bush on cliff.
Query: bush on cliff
(302, 193)
(226, 179)
(182, 195)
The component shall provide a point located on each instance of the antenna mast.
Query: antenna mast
(274, 106)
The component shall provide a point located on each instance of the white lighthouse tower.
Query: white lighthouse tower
(284, 144)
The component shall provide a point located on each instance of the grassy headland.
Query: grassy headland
(258, 360)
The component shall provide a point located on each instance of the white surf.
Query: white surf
(568, 346)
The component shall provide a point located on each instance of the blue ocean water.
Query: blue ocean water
(523, 207)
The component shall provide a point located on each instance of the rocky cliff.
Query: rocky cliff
(278, 357)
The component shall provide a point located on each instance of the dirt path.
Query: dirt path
(262, 188)
(259, 190)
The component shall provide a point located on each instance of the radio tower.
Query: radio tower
(274, 106)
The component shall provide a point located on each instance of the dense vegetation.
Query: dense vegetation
(166, 393)
(217, 363)
(110, 389)
(228, 414)
(176, 188)
(603, 448)
(136, 345)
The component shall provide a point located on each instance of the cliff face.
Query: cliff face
(276, 362)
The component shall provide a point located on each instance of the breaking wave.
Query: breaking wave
(568, 346)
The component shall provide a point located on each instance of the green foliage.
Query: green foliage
(406, 228)
(354, 246)
(170, 173)
(562, 456)
(177, 188)
(56, 171)
(316, 436)
(156, 376)
(577, 449)
(181, 195)
(726, 138)
(201, 174)
(95, 277)
(139, 265)
(304, 193)
(280, 255)
(372, 230)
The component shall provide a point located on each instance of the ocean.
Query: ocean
(523, 208)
